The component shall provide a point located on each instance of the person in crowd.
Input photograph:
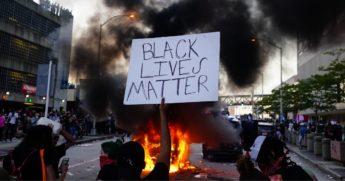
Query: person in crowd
(28, 123)
(338, 132)
(329, 131)
(302, 131)
(247, 170)
(290, 130)
(60, 150)
(11, 125)
(20, 126)
(73, 126)
(271, 157)
(108, 160)
(34, 119)
(2, 124)
(131, 156)
(278, 133)
(32, 159)
(282, 130)
(248, 133)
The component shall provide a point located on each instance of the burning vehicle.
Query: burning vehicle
(179, 148)
(225, 151)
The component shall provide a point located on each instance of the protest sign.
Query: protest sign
(179, 68)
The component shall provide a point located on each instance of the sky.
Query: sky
(83, 10)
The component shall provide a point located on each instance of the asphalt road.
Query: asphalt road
(84, 164)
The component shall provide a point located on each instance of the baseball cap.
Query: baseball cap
(111, 148)
(46, 122)
(132, 154)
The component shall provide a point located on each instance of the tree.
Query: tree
(320, 92)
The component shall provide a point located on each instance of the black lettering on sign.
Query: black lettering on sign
(202, 79)
(147, 49)
(187, 85)
(154, 52)
(168, 49)
(163, 84)
(176, 50)
(196, 72)
(150, 88)
(185, 68)
(180, 67)
(191, 48)
(141, 72)
(178, 84)
(160, 68)
(137, 90)
(173, 69)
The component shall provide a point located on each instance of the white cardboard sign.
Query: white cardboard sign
(179, 68)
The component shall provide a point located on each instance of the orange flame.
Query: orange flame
(179, 148)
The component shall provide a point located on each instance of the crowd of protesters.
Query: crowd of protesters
(37, 156)
(16, 123)
(329, 129)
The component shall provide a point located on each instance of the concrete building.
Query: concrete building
(310, 60)
(33, 34)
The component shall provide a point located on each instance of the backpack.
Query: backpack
(16, 171)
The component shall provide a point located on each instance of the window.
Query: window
(12, 80)
(22, 16)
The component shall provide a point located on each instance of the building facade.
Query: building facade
(311, 59)
(32, 34)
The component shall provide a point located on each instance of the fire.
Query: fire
(179, 148)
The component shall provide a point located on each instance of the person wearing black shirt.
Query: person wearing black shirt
(32, 159)
(131, 157)
(271, 155)
(60, 150)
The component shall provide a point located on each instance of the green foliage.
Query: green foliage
(319, 92)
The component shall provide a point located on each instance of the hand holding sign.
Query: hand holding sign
(182, 68)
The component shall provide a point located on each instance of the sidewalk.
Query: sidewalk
(333, 168)
(6, 146)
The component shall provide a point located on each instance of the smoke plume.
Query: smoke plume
(308, 20)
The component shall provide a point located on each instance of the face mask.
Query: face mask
(104, 160)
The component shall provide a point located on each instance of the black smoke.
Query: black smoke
(240, 57)
(308, 20)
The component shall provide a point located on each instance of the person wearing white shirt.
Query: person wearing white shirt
(11, 125)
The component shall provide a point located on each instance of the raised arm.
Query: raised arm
(68, 137)
(165, 140)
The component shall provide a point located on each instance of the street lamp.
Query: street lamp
(130, 15)
(262, 91)
(281, 71)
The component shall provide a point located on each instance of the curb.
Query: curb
(78, 142)
(324, 169)
(94, 139)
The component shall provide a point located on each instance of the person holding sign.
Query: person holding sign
(131, 156)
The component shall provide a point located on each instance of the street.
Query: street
(84, 164)
(320, 175)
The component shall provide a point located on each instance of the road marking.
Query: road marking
(82, 163)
